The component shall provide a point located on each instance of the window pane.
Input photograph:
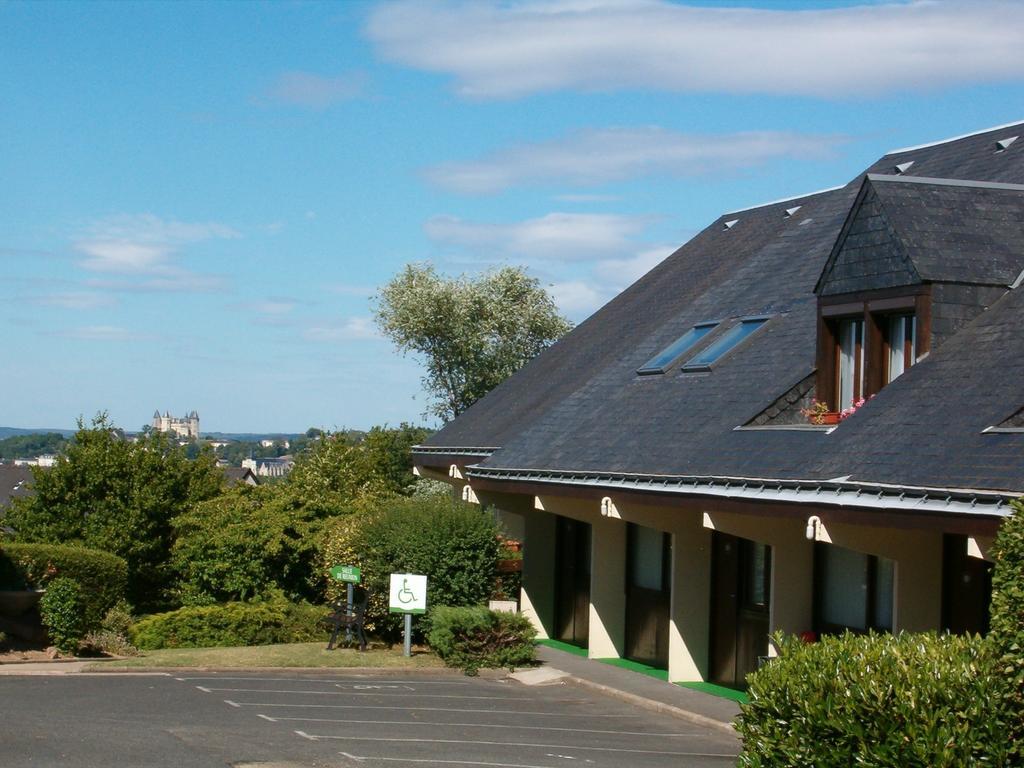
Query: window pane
(646, 557)
(884, 585)
(844, 588)
(851, 361)
(902, 339)
(673, 351)
(729, 339)
(757, 573)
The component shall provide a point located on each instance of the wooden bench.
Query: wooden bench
(343, 617)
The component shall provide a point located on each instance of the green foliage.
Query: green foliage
(472, 333)
(30, 446)
(333, 472)
(473, 637)
(63, 614)
(245, 543)
(230, 624)
(389, 454)
(102, 576)
(118, 496)
(1007, 624)
(454, 544)
(112, 636)
(876, 701)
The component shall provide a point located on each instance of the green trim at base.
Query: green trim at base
(636, 666)
(560, 645)
(717, 690)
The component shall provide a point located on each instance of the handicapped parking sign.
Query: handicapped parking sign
(408, 593)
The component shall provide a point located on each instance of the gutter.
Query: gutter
(836, 492)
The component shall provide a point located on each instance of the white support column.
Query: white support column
(607, 589)
(689, 614)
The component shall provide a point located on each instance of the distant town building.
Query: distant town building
(187, 428)
(42, 460)
(270, 467)
(270, 443)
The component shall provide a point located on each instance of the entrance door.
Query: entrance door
(741, 596)
(647, 595)
(966, 588)
(572, 581)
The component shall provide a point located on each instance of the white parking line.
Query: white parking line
(428, 709)
(364, 758)
(320, 737)
(334, 681)
(361, 693)
(477, 725)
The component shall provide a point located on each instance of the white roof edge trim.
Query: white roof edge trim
(853, 495)
(940, 182)
(953, 138)
(782, 200)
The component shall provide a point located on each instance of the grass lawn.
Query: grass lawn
(288, 655)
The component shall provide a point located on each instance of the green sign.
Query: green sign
(347, 573)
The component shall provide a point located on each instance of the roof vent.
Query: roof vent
(730, 224)
(903, 167)
(791, 211)
(1003, 144)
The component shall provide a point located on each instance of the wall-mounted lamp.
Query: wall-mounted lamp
(813, 527)
(608, 508)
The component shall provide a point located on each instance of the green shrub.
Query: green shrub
(101, 575)
(454, 544)
(918, 700)
(3, 641)
(230, 624)
(112, 636)
(1007, 625)
(474, 637)
(62, 611)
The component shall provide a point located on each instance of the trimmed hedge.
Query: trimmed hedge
(63, 613)
(1007, 625)
(230, 624)
(876, 700)
(103, 577)
(471, 638)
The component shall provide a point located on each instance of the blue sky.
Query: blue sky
(197, 200)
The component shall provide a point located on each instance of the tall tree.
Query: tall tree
(473, 333)
(111, 494)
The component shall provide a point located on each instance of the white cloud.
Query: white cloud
(106, 333)
(350, 329)
(558, 236)
(596, 157)
(498, 49)
(144, 248)
(305, 89)
(76, 300)
(578, 299)
(621, 273)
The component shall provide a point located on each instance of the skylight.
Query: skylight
(664, 359)
(729, 340)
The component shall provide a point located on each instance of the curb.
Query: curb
(654, 706)
(382, 671)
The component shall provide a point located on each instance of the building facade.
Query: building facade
(809, 418)
(186, 428)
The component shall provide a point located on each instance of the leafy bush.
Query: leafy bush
(244, 544)
(63, 616)
(470, 638)
(3, 641)
(102, 576)
(230, 624)
(1007, 625)
(916, 700)
(454, 544)
(112, 637)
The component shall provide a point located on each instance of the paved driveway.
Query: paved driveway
(326, 719)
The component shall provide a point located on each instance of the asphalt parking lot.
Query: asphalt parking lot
(199, 719)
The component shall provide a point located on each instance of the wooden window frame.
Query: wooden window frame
(875, 307)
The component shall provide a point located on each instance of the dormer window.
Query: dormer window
(867, 341)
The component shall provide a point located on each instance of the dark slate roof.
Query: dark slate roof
(580, 405)
(15, 481)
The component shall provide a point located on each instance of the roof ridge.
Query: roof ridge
(944, 182)
(953, 138)
(783, 200)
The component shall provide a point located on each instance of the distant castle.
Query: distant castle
(187, 428)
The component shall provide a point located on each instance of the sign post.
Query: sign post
(408, 595)
(351, 576)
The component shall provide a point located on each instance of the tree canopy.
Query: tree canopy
(473, 333)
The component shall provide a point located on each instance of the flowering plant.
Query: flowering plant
(848, 412)
(816, 413)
